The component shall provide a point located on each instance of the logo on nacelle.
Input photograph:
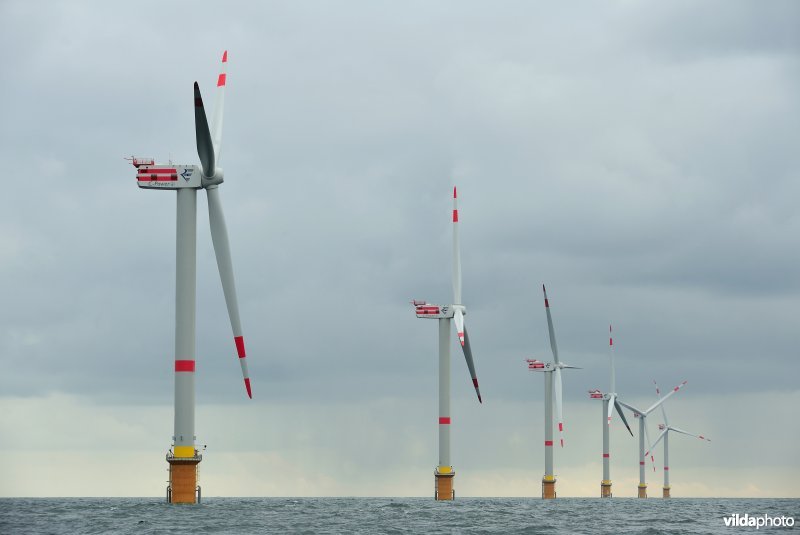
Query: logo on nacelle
(187, 173)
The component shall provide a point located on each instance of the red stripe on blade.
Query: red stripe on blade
(455, 216)
(198, 103)
(225, 56)
(184, 365)
(444, 420)
(560, 426)
(239, 346)
(546, 303)
(221, 79)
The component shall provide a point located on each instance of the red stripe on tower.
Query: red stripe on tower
(548, 442)
(666, 468)
(221, 79)
(606, 455)
(239, 340)
(444, 420)
(184, 365)
(641, 463)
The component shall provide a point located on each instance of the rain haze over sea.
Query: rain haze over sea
(386, 515)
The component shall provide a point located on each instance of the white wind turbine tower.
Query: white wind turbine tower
(444, 472)
(643, 434)
(552, 392)
(609, 404)
(665, 430)
(186, 180)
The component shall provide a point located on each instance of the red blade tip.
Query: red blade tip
(455, 193)
(247, 386)
(225, 56)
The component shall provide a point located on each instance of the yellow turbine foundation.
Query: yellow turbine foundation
(605, 489)
(183, 480)
(666, 492)
(642, 491)
(444, 483)
(548, 487)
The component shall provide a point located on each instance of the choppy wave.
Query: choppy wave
(57, 516)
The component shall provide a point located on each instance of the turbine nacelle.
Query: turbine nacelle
(437, 312)
(168, 176)
(539, 366)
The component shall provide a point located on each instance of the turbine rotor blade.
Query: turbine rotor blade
(456, 253)
(660, 436)
(553, 345)
(458, 317)
(222, 250)
(205, 147)
(665, 398)
(611, 354)
(629, 407)
(681, 431)
(559, 408)
(622, 415)
(663, 410)
(219, 104)
(612, 401)
(471, 364)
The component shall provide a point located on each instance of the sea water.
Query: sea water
(388, 515)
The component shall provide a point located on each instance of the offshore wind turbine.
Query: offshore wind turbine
(665, 430)
(552, 393)
(444, 472)
(609, 404)
(642, 415)
(183, 457)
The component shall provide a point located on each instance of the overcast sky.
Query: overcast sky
(639, 158)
